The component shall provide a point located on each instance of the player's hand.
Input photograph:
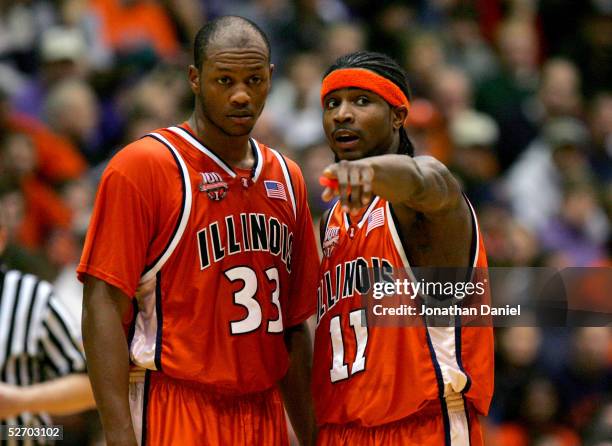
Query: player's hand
(11, 400)
(354, 184)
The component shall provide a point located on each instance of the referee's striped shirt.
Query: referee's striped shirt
(38, 342)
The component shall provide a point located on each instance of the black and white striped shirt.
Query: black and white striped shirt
(38, 341)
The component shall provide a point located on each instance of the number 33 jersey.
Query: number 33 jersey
(224, 259)
(373, 375)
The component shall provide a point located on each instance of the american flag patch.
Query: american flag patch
(274, 189)
(375, 219)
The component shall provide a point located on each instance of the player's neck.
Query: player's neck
(234, 150)
(385, 148)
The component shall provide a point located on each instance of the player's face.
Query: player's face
(357, 123)
(232, 87)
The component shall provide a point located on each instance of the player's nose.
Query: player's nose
(240, 97)
(344, 113)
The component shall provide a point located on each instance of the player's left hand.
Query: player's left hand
(354, 184)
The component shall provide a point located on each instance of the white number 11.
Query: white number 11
(339, 369)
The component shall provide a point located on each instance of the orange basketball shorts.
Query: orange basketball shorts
(458, 428)
(167, 411)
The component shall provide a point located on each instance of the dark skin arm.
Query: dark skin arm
(426, 197)
(107, 358)
(295, 386)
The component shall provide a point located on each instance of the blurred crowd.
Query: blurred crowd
(514, 96)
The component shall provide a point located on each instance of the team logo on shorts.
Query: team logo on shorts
(331, 240)
(213, 185)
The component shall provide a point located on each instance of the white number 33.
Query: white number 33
(245, 297)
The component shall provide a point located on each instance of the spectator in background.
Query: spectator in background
(508, 95)
(43, 211)
(294, 105)
(156, 95)
(276, 18)
(76, 15)
(526, 404)
(518, 76)
(138, 32)
(427, 129)
(425, 58)
(586, 379)
(311, 18)
(340, 39)
(558, 155)
(71, 110)
(466, 48)
(509, 243)
(58, 159)
(63, 56)
(515, 366)
(15, 254)
(389, 22)
(474, 136)
(452, 91)
(580, 230)
(20, 24)
(452, 94)
(559, 92)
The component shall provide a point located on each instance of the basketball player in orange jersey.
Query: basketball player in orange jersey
(213, 230)
(398, 385)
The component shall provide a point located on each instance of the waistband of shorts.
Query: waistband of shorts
(430, 409)
(208, 390)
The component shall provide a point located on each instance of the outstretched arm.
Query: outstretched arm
(421, 183)
(107, 358)
(295, 386)
(61, 396)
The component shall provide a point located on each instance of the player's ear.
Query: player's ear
(271, 70)
(194, 79)
(400, 113)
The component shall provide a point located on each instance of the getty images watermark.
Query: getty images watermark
(452, 292)
(501, 297)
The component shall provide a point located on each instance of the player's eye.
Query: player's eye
(362, 100)
(331, 103)
(255, 80)
(224, 80)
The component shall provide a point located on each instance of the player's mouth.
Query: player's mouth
(241, 118)
(345, 139)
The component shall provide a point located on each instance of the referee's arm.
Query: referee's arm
(67, 390)
(108, 358)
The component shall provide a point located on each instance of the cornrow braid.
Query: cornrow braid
(386, 67)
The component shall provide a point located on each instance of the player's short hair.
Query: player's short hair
(386, 67)
(208, 32)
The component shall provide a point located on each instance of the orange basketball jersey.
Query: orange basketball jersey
(228, 255)
(373, 375)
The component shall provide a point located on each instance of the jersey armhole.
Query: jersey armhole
(323, 225)
(154, 267)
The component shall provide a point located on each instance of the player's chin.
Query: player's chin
(234, 130)
(348, 154)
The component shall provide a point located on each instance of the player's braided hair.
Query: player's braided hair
(388, 68)
(206, 34)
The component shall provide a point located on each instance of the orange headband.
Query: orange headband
(366, 80)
